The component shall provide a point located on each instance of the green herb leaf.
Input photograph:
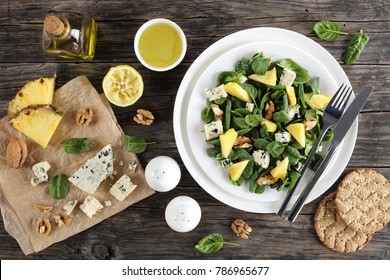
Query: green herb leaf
(135, 144)
(328, 31)
(77, 145)
(302, 74)
(355, 47)
(212, 243)
(58, 186)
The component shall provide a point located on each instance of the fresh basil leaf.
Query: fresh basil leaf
(135, 144)
(58, 186)
(328, 31)
(302, 74)
(212, 243)
(76, 145)
(355, 47)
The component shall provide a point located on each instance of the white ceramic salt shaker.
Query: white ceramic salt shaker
(183, 214)
(162, 173)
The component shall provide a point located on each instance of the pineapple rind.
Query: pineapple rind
(38, 91)
(38, 122)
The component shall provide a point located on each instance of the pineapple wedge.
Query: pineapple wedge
(297, 130)
(292, 99)
(316, 101)
(39, 91)
(227, 141)
(271, 126)
(269, 78)
(280, 171)
(236, 169)
(38, 122)
(237, 91)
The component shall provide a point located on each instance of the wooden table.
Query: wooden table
(140, 232)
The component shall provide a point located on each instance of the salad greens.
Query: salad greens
(327, 30)
(268, 139)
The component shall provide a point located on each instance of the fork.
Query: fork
(332, 114)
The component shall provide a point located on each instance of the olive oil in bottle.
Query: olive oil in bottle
(69, 35)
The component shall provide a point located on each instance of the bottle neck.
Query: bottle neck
(57, 27)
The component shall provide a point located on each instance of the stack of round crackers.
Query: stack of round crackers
(347, 219)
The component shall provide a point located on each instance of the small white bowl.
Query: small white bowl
(153, 22)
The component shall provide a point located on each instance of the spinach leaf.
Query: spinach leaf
(254, 187)
(275, 148)
(293, 154)
(213, 152)
(135, 144)
(281, 117)
(355, 47)
(228, 76)
(328, 31)
(313, 85)
(302, 74)
(76, 145)
(293, 176)
(260, 143)
(58, 186)
(228, 115)
(253, 120)
(207, 115)
(260, 65)
(252, 91)
(243, 66)
(212, 243)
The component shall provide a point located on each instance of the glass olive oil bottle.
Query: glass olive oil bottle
(69, 35)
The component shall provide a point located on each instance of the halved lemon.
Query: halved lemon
(123, 85)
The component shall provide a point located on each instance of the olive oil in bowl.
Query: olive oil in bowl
(160, 44)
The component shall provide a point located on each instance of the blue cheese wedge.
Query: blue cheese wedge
(40, 171)
(69, 206)
(213, 129)
(261, 158)
(250, 106)
(287, 78)
(122, 188)
(215, 93)
(283, 137)
(94, 171)
(90, 206)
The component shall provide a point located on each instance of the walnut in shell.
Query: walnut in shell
(16, 152)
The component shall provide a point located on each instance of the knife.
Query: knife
(339, 133)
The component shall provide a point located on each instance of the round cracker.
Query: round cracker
(363, 200)
(333, 232)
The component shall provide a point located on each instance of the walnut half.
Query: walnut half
(84, 116)
(241, 228)
(61, 219)
(144, 117)
(43, 226)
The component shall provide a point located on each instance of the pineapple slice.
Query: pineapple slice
(292, 99)
(280, 171)
(269, 78)
(237, 91)
(227, 141)
(271, 126)
(38, 122)
(297, 130)
(316, 101)
(236, 169)
(39, 91)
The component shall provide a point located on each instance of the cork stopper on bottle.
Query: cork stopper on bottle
(54, 25)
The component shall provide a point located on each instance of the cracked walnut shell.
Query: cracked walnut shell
(84, 116)
(241, 228)
(43, 226)
(144, 117)
(16, 152)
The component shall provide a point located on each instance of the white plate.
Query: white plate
(221, 56)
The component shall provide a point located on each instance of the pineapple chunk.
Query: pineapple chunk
(271, 126)
(269, 78)
(297, 130)
(316, 101)
(38, 122)
(227, 141)
(292, 99)
(39, 91)
(280, 171)
(237, 91)
(236, 169)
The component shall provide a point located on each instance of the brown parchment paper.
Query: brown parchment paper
(18, 196)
